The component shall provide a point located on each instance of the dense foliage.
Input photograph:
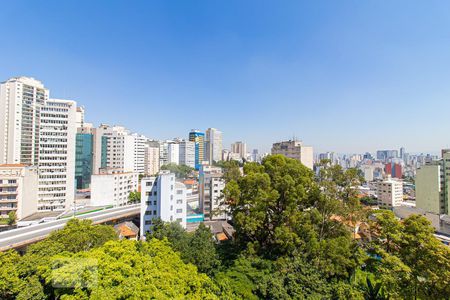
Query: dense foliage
(296, 238)
(180, 171)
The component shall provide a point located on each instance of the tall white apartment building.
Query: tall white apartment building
(296, 150)
(240, 148)
(213, 151)
(21, 101)
(140, 143)
(112, 187)
(174, 153)
(164, 198)
(390, 193)
(211, 185)
(18, 190)
(151, 160)
(187, 153)
(57, 155)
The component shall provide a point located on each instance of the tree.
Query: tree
(10, 282)
(202, 250)
(428, 258)
(198, 248)
(12, 217)
(180, 171)
(128, 270)
(134, 197)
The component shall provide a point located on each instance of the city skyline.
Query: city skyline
(333, 74)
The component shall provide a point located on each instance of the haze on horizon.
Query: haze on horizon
(343, 76)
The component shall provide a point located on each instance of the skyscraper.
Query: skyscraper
(187, 153)
(213, 145)
(199, 139)
(57, 155)
(21, 101)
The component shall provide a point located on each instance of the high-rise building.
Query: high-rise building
(255, 156)
(385, 155)
(213, 143)
(296, 150)
(174, 153)
(18, 190)
(211, 185)
(151, 160)
(187, 153)
(164, 198)
(116, 148)
(21, 101)
(390, 193)
(84, 155)
(433, 185)
(394, 169)
(57, 155)
(140, 142)
(402, 153)
(199, 139)
(239, 148)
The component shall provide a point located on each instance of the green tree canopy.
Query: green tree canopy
(180, 171)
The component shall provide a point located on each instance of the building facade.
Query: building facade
(239, 148)
(112, 187)
(164, 198)
(433, 185)
(187, 153)
(21, 101)
(213, 145)
(57, 155)
(151, 161)
(18, 190)
(84, 155)
(390, 193)
(296, 150)
(211, 185)
(199, 139)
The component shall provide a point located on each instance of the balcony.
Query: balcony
(8, 192)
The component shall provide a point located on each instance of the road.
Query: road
(26, 235)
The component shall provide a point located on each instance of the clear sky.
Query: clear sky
(345, 76)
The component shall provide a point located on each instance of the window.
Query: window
(148, 183)
(179, 192)
(171, 207)
(155, 193)
(148, 194)
(149, 222)
(154, 212)
(155, 202)
(179, 201)
(179, 210)
(148, 212)
(179, 220)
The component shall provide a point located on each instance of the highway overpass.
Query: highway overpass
(21, 237)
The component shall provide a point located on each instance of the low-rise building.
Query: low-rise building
(18, 190)
(164, 198)
(112, 188)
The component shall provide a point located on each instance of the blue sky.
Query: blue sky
(345, 76)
